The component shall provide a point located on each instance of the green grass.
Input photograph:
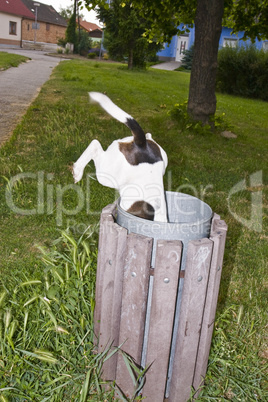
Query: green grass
(55, 131)
(8, 60)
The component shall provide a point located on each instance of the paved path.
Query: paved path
(20, 85)
(168, 65)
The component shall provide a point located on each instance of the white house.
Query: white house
(30, 24)
(11, 14)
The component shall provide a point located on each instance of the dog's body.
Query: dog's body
(134, 166)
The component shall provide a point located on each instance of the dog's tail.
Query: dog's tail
(119, 114)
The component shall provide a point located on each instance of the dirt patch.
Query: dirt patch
(228, 134)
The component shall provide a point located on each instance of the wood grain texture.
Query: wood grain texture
(218, 236)
(110, 282)
(134, 302)
(106, 216)
(191, 314)
(166, 276)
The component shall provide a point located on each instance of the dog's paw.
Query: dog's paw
(77, 172)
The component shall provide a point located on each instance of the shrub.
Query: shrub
(61, 42)
(85, 43)
(181, 115)
(243, 71)
(187, 59)
(91, 55)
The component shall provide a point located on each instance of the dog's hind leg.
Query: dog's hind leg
(93, 151)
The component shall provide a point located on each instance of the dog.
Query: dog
(133, 165)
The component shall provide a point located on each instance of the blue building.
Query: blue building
(174, 50)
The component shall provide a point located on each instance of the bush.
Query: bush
(243, 71)
(61, 42)
(187, 59)
(91, 55)
(84, 44)
(180, 114)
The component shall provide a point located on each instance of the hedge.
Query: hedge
(243, 71)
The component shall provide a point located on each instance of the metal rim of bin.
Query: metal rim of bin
(188, 219)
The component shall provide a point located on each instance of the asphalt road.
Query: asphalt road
(20, 85)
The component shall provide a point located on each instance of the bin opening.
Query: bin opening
(188, 219)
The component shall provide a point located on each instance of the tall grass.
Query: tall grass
(46, 327)
(48, 347)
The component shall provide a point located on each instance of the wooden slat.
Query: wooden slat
(166, 276)
(109, 282)
(134, 301)
(192, 306)
(106, 215)
(218, 236)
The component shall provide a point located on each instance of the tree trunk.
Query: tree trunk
(208, 26)
(74, 27)
(130, 58)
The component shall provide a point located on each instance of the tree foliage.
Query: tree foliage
(66, 13)
(208, 16)
(70, 34)
(124, 34)
(250, 16)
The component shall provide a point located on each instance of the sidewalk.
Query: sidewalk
(168, 65)
(20, 85)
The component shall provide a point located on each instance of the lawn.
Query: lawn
(38, 202)
(8, 60)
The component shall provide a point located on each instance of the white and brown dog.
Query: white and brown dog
(133, 165)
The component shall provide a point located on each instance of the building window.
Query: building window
(230, 42)
(12, 28)
(48, 27)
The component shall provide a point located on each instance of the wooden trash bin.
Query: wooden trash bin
(156, 292)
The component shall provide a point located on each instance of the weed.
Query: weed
(217, 124)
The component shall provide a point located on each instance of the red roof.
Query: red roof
(89, 26)
(15, 7)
